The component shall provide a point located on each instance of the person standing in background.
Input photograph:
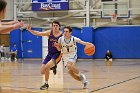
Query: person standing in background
(13, 53)
(2, 51)
(108, 56)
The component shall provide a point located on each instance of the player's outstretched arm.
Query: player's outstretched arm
(8, 28)
(10, 22)
(45, 33)
(81, 41)
(84, 43)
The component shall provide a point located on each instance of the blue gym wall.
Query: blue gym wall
(32, 44)
(122, 41)
(28, 45)
(88, 36)
(15, 37)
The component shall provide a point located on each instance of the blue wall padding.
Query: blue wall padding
(87, 36)
(15, 38)
(122, 41)
(32, 44)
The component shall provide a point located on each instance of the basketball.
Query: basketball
(89, 49)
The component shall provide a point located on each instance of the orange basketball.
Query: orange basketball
(89, 49)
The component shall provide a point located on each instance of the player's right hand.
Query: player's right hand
(28, 27)
(18, 25)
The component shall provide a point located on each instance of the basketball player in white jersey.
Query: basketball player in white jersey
(67, 45)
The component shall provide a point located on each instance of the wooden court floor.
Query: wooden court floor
(120, 76)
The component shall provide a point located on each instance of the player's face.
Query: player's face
(67, 33)
(55, 27)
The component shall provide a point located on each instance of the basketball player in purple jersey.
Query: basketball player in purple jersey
(54, 55)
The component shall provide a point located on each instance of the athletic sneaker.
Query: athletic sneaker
(44, 87)
(54, 69)
(85, 85)
(84, 80)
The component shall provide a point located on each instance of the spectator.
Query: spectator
(108, 56)
(2, 51)
(13, 52)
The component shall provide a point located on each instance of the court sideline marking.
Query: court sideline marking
(115, 84)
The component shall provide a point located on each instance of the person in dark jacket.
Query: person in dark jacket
(108, 56)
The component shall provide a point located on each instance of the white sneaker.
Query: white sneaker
(84, 80)
(85, 85)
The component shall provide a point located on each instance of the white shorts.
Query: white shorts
(69, 58)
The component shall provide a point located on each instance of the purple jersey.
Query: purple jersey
(51, 40)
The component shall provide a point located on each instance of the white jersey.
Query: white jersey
(69, 49)
(68, 46)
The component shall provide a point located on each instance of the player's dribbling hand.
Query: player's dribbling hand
(18, 25)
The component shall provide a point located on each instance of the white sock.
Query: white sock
(46, 82)
(83, 78)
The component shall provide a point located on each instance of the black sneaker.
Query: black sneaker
(44, 87)
(54, 69)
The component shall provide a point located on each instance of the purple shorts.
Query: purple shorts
(55, 56)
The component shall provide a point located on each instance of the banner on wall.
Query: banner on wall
(37, 5)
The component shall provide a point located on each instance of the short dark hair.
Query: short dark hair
(68, 27)
(3, 5)
(56, 22)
